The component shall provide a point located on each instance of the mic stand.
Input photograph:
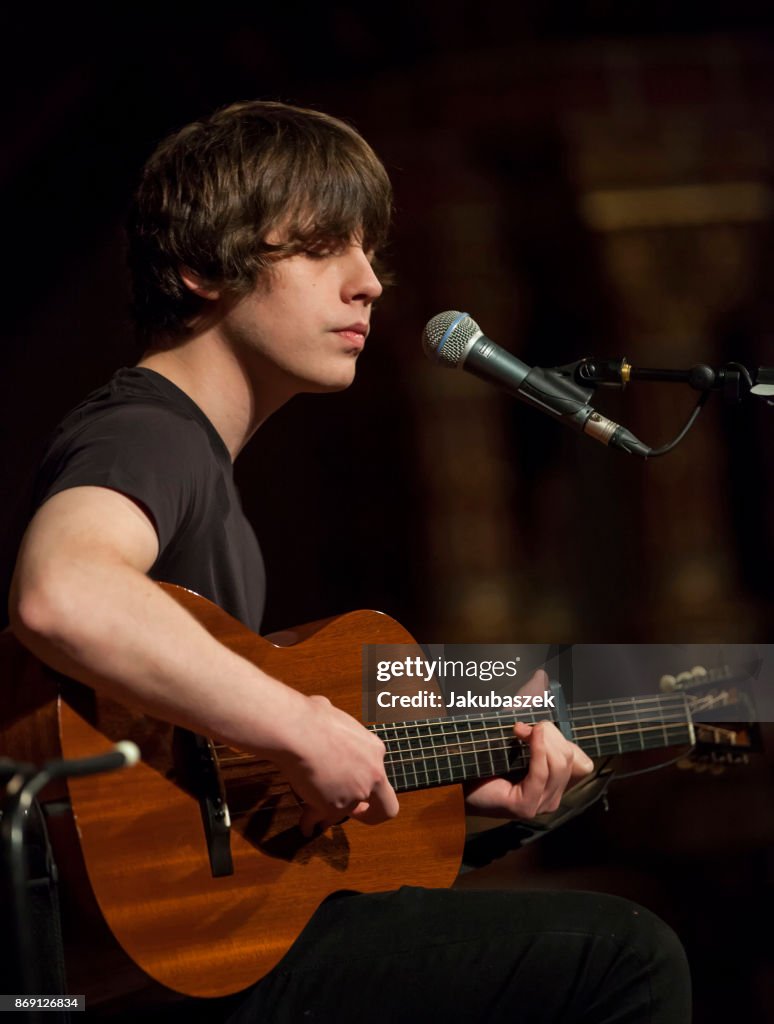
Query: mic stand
(23, 783)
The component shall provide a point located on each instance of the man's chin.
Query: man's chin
(331, 385)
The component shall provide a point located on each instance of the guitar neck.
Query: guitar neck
(441, 751)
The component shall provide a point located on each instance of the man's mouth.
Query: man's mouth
(356, 333)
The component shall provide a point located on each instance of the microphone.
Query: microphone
(455, 340)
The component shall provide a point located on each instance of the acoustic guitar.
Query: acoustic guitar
(193, 858)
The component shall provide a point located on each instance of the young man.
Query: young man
(252, 241)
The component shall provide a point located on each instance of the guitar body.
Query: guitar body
(142, 839)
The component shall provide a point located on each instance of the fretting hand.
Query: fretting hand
(554, 764)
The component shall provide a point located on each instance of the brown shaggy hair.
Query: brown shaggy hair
(211, 194)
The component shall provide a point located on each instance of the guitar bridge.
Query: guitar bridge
(197, 767)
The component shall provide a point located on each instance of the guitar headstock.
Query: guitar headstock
(712, 694)
(701, 677)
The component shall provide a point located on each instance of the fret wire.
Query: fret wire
(432, 759)
(616, 727)
(446, 775)
(401, 737)
(506, 729)
(586, 718)
(615, 712)
(595, 737)
(635, 709)
(615, 707)
(401, 743)
(647, 713)
(491, 759)
(396, 766)
(433, 733)
(396, 739)
(414, 744)
(612, 749)
(494, 724)
(461, 757)
(419, 760)
(678, 726)
(613, 729)
(663, 705)
(467, 741)
(663, 729)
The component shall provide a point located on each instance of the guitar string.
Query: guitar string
(445, 773)
(472, 736)
(607, 731)
(450, 727)
(441, 772)
(596, 719)
(606, 728)
(416, 763)
(601, 731)
(402, 768)
(493, 748)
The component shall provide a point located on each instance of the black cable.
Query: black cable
(691, 420)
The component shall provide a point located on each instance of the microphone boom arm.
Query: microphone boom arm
(734, 380)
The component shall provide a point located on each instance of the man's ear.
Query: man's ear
(197, 284)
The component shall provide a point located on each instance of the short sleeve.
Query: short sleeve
(145, 451)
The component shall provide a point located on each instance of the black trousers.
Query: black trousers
(467, 956)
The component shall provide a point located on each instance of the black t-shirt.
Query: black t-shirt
(141, 435)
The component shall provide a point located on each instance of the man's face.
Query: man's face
(304, 328)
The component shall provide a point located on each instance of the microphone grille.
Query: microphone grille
(446, 337)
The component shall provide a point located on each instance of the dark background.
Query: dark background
(533, 147)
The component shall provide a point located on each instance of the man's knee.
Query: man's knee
(649, 959)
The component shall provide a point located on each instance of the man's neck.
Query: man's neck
(235, 398)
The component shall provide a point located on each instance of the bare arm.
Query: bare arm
(80, 600)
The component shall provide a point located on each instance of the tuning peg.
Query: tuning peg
(667, 684)
(699, 672)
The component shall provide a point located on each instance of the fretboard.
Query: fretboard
(440, 751)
